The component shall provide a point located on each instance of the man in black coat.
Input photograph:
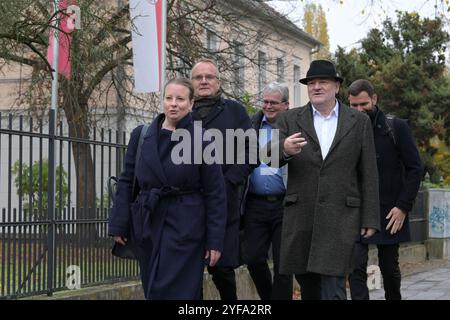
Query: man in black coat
(221, 114)
(399, 172)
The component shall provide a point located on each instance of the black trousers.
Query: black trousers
(262, 229)
(314, 286)
(389, 267)
(225, 281)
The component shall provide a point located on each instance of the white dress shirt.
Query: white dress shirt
(326, 128)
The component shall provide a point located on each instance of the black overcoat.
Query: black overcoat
(229, 114)
(399, 174)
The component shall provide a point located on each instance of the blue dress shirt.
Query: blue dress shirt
(266, 180)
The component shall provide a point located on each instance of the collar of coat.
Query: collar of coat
(155, 126)
(257, 119)
(379, 122)
(347, 118)
(150, 143)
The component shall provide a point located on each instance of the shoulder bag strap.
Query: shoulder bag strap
(138, 156)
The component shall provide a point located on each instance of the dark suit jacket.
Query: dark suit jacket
(327, 201)
(229, 114)
(399, 174)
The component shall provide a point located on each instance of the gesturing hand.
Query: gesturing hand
(294, 144)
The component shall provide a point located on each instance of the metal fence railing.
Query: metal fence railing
(44, 250)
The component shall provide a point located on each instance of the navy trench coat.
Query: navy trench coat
(179, 213)
(229, 114)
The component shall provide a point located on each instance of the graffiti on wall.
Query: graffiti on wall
(439, 213)
(440, 222)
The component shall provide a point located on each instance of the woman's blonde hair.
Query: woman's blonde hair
(183, 82)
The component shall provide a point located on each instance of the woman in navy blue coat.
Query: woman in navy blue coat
(179, 215)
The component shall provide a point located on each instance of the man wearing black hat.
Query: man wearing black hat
(332, 190)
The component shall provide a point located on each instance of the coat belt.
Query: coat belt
(153, 223)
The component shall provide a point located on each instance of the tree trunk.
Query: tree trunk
(85, 179)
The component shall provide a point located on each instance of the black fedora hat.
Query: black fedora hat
(321, 69)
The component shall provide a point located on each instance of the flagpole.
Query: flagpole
(163, 54)
(55, 51)
(52, 154)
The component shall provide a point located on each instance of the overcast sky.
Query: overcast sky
(349, 22)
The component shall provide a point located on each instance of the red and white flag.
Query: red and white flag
(66, 26)
(147, 38)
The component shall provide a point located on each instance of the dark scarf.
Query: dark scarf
(204, 105)
(373, 114)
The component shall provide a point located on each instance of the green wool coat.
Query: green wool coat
(327, 201)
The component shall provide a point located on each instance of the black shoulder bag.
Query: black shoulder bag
(127, 251)
(390, 124)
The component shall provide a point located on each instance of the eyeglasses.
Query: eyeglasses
(208, 78)
(273, 103)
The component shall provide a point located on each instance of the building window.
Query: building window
(211, 41)
(280, 70)
(297, 85)
(239, 69)
(262, 70)
(182, 69)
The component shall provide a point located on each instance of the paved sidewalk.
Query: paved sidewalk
(431, 282)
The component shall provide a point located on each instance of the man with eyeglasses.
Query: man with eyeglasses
(219, 113)
(332, 191)
(263, 209)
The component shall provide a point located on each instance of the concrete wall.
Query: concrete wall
(439, 213)
(438, 244)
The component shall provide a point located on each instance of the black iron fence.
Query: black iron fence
(418, 217)
(44, 250)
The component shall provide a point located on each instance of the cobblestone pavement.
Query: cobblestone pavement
(429, 281)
